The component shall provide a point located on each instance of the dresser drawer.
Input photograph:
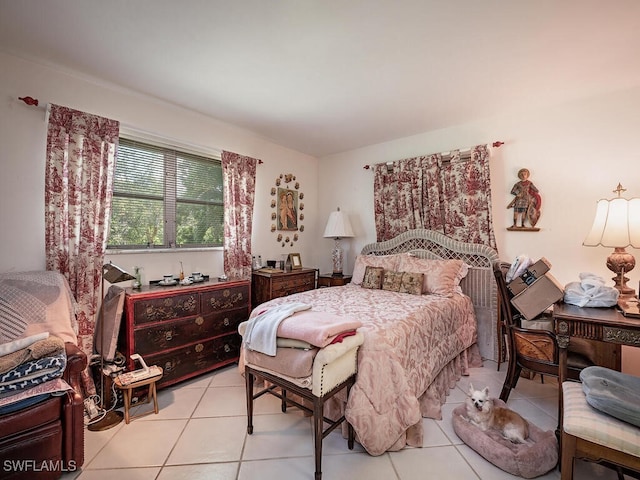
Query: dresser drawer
(288, 285)
(179, 364)
(165, 308)
(225, 299)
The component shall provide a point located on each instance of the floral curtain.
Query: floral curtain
(80, 163)
(446, 193)
(239, 179)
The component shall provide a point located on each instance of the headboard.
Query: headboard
(479, 284)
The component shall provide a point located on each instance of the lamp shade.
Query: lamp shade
(338, 226)
(616, 225)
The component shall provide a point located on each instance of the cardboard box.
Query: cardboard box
(532, 273)
(538, 296)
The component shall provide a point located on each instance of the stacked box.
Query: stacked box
(532, 273)
(535, 290)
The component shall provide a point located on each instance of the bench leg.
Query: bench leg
(318, 413)
(350, 432)
(248, 376)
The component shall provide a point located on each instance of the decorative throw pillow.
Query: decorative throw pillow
(373, 278)
(392, 281)
(411, 283)
(441, 277)
(388, 262)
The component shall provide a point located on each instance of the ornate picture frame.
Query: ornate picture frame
(287, 209)
(295, 261)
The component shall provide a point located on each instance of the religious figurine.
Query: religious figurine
(526, 204)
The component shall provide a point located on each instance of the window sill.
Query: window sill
(124, 251)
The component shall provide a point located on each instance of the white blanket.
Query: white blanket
(261, 331)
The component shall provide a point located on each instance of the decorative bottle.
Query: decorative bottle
(137, 283)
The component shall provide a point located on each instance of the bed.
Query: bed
(416, 346)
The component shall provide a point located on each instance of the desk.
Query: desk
(605, 325)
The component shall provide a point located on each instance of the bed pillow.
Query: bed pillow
(440, 277)
(373, 277)
(388, 262)
(392, 281)
(411, 283)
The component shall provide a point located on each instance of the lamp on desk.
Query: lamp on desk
(110, 418)
(338, 226)
(617, 225)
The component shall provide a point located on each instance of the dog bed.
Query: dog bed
(528, 460)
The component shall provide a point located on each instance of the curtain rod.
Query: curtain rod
(496, 144)
(131, 130)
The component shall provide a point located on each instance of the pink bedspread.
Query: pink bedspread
(415, 349)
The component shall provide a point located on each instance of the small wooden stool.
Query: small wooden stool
(126, 390)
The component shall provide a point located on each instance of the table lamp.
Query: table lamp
(617, 225)
(110, 418)
(338, 226)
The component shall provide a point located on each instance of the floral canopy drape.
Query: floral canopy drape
(450, 194)
(239, 179)
(80, 162)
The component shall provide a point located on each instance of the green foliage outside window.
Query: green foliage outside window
(163, 197)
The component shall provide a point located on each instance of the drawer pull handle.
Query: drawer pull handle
(226, 322)
(168, 335)
(199, 320)
(199, 348)
(227, 348)
(169, 366)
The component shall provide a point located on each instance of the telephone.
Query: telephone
(143, 373)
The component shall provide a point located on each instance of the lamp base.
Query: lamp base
(621, 262)
(110, 420)
(337, 256)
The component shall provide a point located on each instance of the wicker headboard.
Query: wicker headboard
(479, 283)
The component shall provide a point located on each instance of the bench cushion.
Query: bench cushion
(582, 420)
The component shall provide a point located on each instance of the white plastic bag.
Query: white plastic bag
(518, 267)
(590, 291)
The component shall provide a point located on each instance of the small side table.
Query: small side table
(127, 389)
(328, 280)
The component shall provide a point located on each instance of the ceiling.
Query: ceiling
(325, 76)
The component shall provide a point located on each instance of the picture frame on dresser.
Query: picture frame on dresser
(295, 261)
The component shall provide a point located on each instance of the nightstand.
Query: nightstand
(268, 285)
(328, 280)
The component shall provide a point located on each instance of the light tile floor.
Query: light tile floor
(200, 433)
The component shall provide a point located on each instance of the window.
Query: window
(164, 197)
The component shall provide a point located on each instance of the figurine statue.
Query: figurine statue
(527, 202)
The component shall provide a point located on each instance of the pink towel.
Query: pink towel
(316, 328)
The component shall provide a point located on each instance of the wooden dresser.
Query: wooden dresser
(186, 330)
(273, 285)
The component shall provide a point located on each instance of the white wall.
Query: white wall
(577, 153)
(22, 159)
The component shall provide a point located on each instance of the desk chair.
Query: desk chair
(534, 349)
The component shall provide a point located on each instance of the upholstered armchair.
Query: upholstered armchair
(42, 436)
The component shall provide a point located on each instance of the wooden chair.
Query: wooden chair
(535, 350)
(595, 436)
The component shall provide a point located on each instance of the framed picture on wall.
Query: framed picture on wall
(295, 260)
(287, 209)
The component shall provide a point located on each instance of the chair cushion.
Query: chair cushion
(582, 420)
(528, 460)
(612, 392)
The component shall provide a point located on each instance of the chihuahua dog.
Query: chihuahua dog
(484, 414)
